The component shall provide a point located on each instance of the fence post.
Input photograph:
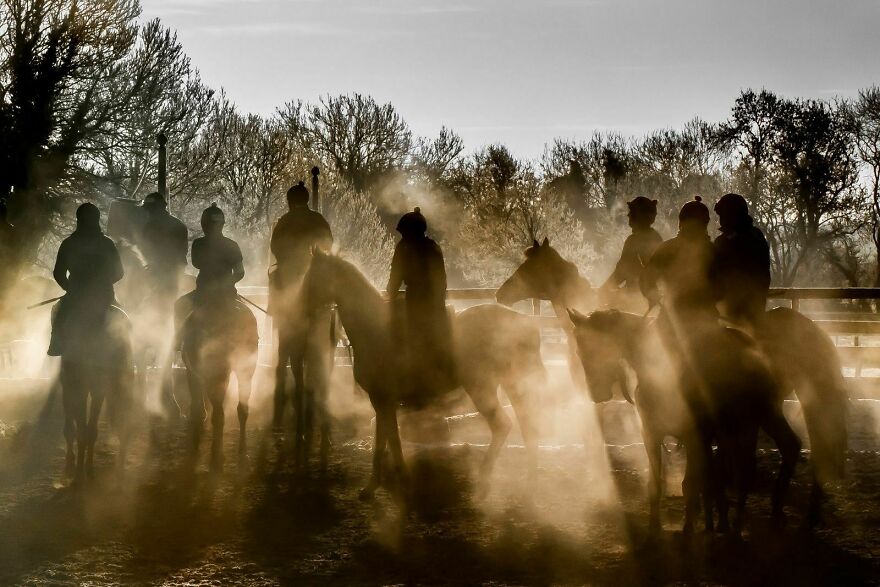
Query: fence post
(536, 307)
(795, 304)
(162, 182)
(317, 204)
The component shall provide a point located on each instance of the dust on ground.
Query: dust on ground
(161, 523)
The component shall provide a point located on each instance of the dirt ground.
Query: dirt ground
(161, 523)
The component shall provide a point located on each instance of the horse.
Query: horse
(493, 346)
(725, 393)
(96, 363)
(306, 342)
(219, 337)
(802, 357)
(546, 275)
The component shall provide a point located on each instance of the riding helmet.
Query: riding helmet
(154, 200)
(412, 223)
(732, 206)
(642, 207)
(213, 217)
(694, 210)
(298, 195)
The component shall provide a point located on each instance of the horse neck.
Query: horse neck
(570, 291)
(637, 338)
(363, 312)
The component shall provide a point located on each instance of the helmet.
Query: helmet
(154, 200)
(732, 206)
(694, 210)
(213, 218)
(412, 223)
(298, 195)
(642, 207)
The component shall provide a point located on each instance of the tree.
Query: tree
(506, 207)
(358, 138)
(864, 118)
(60, 65)
(795, 161)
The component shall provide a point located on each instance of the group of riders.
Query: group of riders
(689, 276)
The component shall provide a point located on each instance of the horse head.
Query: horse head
(601, 345)
(539, 276)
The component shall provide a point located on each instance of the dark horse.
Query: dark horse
(493, 346)
(802, 357)
(306, 342)
(219, 338)
(96, 364)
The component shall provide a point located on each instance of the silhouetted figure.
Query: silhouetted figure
(679, 271)
(87, 266)
(295, 235)
(220, 264)
(163, 242)
(302, 337)
(418, 264)
(742, 263)
(622, 287)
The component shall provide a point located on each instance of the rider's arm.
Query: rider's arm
(395, 280)
(237, 265)
(618, 275)
(61, 267)
(114, 263)
(649, 280)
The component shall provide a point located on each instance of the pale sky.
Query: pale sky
(522, 72)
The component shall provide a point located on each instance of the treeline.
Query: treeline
(86, 88)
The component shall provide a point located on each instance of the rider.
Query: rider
(742, 263)
(87, 266)
(679, 272)
(294, 236)
(220, 264)
(637, 250)
(164, 241)
(418, 263)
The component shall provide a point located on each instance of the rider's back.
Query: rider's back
(164, 243)
(216, 258)
(92, 264)
(294, 236)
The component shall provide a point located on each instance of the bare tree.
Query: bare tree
(864, 116)
(358, 138)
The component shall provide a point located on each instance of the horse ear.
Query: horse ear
(536, 244)
(576, 317)
(546, 242)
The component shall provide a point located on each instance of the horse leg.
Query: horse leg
(654, 448)
(197, 412)
(98, 393)
(694, 485)
(485, 398)
(747, 462)
(777, 427)
(378, 454)
(218, 421)
(393, 434)
(523, 410)
(299, 408)
(70, 395)
(244, 376)
(280, 393)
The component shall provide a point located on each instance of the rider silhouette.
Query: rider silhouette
(679, 273)
(418, 263)
(87, 266)
(742, 263)
(637, 250)
(163, 242)
(295, 235)
(220, 264)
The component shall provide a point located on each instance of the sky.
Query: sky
(523, 72)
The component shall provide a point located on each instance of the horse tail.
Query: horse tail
(815, 371)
